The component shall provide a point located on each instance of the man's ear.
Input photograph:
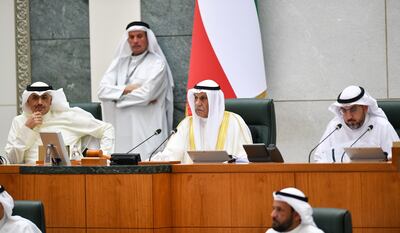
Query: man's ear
(365, 107)
(296, 217)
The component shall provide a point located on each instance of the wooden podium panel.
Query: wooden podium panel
(12, 184)
(63, 197)
(119, 231)
(162, 200)
(119, 201)
(338, 190)
(381, 199)
(202, 230)
(252, 197)
(65, 230)
(201, 200)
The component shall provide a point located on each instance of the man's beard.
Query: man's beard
(284, 226)
(354, 124)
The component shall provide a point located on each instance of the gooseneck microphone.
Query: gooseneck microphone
(158, 131)
(338, 126)
(170, 134)
(370, 127)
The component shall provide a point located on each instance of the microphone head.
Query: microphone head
(370, 127)
(339, 126)
(158, 131)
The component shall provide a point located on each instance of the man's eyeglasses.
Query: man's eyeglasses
(353, 109)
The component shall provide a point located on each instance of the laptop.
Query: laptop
(258, 152)
(56, 139)
(210, 156)
(365, 154)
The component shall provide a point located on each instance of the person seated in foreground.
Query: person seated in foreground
(209, 128)
(47, 110)
(358, 113)
(291, 213)
(9, 223)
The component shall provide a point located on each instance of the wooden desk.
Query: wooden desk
(208, 198)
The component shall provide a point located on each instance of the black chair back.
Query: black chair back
(333, 220)
(31, 210)
(93, 107)
(392, 111)
(259, 115)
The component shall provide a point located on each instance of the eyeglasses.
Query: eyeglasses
(351, 110)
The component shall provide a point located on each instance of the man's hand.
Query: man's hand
(34, 120)
(129, 88)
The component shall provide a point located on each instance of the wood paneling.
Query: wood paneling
(63, 197)
(162, 200)
(65, 230)
(120, 231)
(119, 201)
(381, 199)
(202, 230)
(249, 230)
(333, 190)
(252, 197)
(201, 200)
(380, 230)
(11, 183)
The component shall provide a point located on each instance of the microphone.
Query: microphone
(158, 131)
(170, 134)
(370, 127)
(338, 126)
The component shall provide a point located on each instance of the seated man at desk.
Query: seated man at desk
(363, 123)
(9, 223)
(209, 128)
(47, 110)
(292, 213)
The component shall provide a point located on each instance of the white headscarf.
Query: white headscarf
(124, 50)
(298, 201)
(59, 100)
(6, 201)
(355, 95)
(216, 108)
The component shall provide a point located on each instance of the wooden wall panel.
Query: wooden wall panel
(201, 200)
(119, 201)
(65, 230)
(120, 231)
(63, 197)
(202, 230)
(249, 230)
(162, 200)
(380, 230)
(337, 190)
(163, 230)
(11, 183)
(252, 197)
(381, 199)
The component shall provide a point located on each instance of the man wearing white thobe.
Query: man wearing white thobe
(136, 91)
(291, 213)
(9, 223)
(358, 113)
(209, 128)
(47, 110)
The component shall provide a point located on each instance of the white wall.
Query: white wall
(8, 89)
(313, 49)
(107, 22)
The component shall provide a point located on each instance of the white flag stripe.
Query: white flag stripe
(233, 30)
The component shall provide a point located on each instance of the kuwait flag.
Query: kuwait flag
(227, 48)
